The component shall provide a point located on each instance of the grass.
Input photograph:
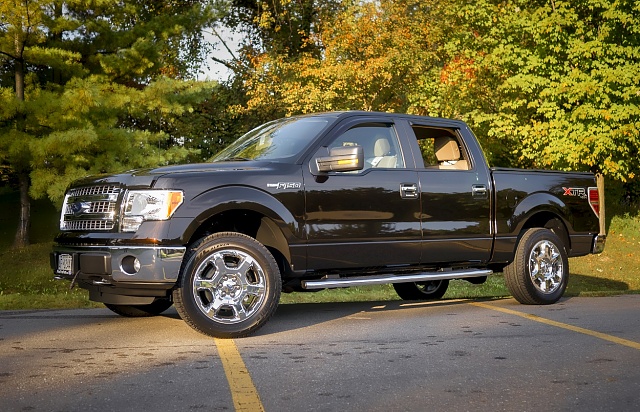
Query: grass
(26, 280)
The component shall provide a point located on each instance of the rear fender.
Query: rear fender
(535, 204)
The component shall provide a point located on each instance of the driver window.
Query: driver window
(379, 142)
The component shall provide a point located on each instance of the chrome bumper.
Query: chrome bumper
(133, 264)
(598, 243)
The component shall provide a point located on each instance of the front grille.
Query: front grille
(95, 207)
(94, 190)
(88, 225)
(90, 208)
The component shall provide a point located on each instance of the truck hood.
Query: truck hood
(145, 178)
(210, 167)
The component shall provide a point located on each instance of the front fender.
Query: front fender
(212, 202)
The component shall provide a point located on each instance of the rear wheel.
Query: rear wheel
(433, 289)
(141, 311)
(229, 285)
(539, 273)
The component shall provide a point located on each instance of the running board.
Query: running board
(328, 283)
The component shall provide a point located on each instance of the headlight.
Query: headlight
(141, 205)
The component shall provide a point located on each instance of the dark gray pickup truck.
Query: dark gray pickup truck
(322, 201)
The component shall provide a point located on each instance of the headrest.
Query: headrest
(446, 149)
(381, 147)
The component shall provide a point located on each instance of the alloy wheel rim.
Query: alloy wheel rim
(546, 267)
(229, 286)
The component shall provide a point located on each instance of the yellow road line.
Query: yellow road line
(243, 391)
(535, 318)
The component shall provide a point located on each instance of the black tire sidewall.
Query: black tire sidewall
(201, 250)
(527, 292)
(412, 291)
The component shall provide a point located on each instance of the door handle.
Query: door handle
(408, 190)
(479, 191)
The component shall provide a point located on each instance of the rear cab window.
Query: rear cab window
(441, 148)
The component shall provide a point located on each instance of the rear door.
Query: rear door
(455, 196)
(367, 218)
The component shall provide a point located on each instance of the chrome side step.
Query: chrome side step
(328, 283)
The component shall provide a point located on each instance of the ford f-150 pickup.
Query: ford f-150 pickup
(322, 201)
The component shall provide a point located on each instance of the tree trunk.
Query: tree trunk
(22, 234)
(600, 183)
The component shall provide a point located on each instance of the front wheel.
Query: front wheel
(539, 272)
(429, 290)
(229, 285)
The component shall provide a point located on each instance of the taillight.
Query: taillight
(594, 200)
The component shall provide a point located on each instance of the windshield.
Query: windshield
(277, 140)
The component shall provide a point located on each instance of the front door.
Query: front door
(367, 218)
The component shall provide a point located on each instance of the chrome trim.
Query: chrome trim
(229, 286)
(389, 278)
(90, 208)
(546, 267)
(598, 243)
(158, 264)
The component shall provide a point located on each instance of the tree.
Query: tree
(371, 52)
(569, 84)
(88, 78)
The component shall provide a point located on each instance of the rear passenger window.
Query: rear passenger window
(441, 148)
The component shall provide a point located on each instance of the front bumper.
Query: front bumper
(121, 264)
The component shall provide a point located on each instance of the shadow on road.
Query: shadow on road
(583, 284)
(294, 316)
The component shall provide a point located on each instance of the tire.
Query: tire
(430, 290)
(141, 311)
(229, 286)
(539, 273)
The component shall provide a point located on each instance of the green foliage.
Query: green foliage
(565, 79)
(282, 27)
(103, 82)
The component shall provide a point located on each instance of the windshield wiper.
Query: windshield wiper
(237, 159)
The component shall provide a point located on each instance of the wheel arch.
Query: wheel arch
(248, 211)
(542, 210)
(551, 221)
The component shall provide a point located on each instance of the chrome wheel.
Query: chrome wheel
(546, 266)
(539, 272)
(229, 286)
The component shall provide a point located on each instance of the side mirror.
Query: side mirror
(342, 159)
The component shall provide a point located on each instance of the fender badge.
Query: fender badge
(284, 185)
(575, 191)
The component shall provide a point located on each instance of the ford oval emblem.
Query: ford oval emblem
(79, 208)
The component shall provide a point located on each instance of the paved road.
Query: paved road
(580, 354)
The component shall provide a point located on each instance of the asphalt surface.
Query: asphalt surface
(581, 354)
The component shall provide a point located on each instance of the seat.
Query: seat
(448, 154)
(381, 153)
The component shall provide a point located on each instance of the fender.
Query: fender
(218, 200)
(506, 241)
(536, 203)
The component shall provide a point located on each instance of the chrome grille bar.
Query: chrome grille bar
(90, 208)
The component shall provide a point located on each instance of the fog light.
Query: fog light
(130, 265)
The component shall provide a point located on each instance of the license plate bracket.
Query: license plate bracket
(65, 264)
